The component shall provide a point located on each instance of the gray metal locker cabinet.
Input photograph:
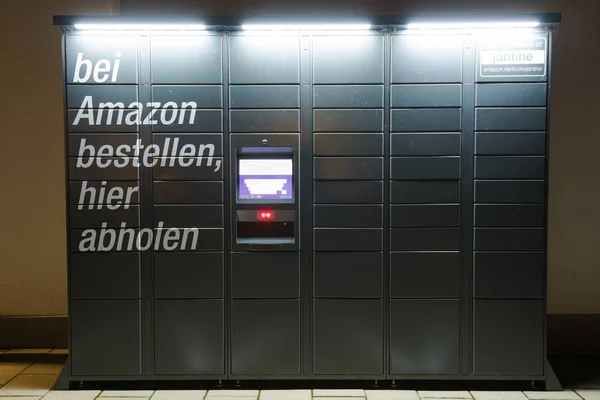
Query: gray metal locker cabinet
(408, 241)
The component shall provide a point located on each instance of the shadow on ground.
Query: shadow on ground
(573, 371)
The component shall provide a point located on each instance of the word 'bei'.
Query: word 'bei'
(101, 72)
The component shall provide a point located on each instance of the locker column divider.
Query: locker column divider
(552, 382)
(145, 176)
(386, 200)
(306, 204)
(226, 209)
(64, 384)
(466, 203)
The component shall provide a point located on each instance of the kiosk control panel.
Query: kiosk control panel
(264, 179)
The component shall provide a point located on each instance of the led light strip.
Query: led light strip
(284, 27)
(141, 27)
(313, 27)
(472, 25)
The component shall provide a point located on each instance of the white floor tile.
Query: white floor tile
(28, 351)
(60, 351)
(232, 393)
(21, 398)
(392, 395)
(29, 385)
(127, 393)
(339, 398)
(9, 370)
(589, 394)
(71, 395)
(444, 394)
(491, 395)
(44, 369)
(443, 398)
(285, 395)
(121, 398)
(338, 393)
(233, 397)
(439, 398)
(179, 395)
(542, 395)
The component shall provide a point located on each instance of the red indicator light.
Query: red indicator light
(265, 215)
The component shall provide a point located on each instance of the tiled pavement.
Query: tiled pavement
(26, 381)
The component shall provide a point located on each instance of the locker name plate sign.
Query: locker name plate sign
(513, 57)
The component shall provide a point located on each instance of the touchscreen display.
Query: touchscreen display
(269, 179)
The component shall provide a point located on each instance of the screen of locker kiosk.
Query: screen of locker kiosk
(265, 177)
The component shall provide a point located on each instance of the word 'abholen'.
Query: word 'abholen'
(131, 239)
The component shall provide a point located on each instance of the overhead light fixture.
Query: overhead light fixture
(140, 27)
(473, 25)
(315, 27)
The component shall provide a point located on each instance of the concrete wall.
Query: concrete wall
(33, 278)
(32, 211)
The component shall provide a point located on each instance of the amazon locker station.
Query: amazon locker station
(273, 200)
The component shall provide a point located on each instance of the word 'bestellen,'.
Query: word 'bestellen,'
(166, 155)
